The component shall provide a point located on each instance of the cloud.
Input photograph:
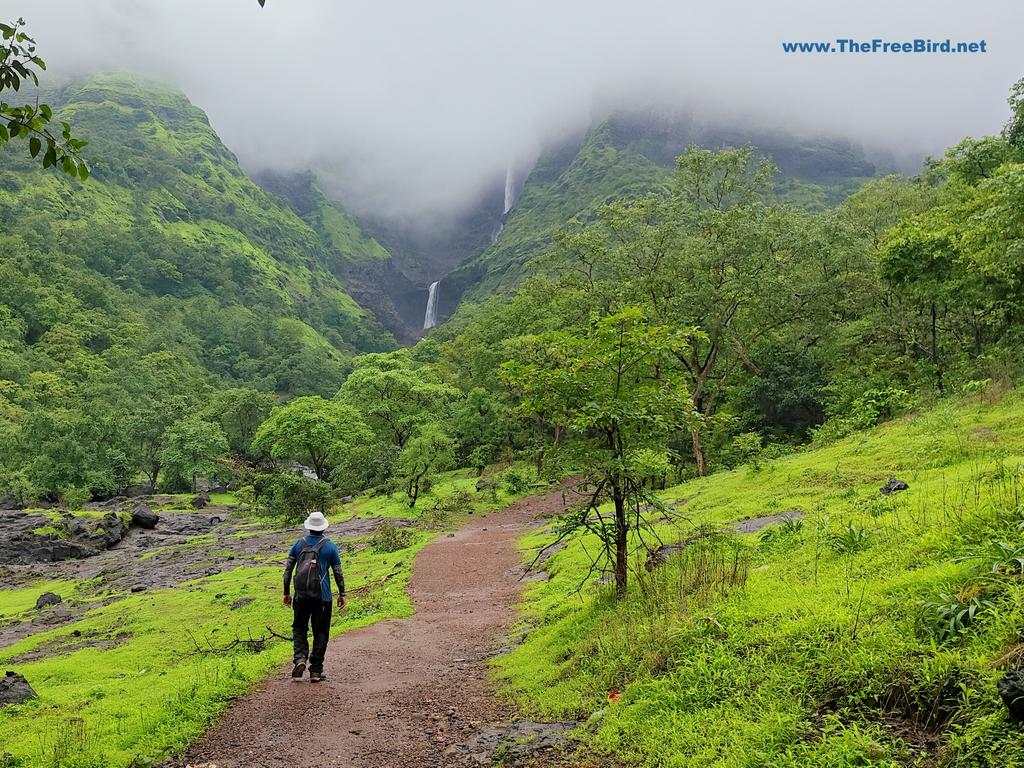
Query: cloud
(418, 104)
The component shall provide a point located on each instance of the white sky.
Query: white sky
(422, 102)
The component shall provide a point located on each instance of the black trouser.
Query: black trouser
(318, 613)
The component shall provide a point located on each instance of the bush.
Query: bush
(390, 538)
(293, 497)
(949, 617)
(516, 480)
(438, 515)
(75, 498)
(744, 449)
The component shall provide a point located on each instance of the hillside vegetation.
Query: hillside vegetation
(629, 155)
(167, 275)
(853, 629)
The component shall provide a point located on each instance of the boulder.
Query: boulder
(144, 517)
(134, 491)
(200, 501)
(9, 502)
(14, 689)
(893, 486)
(103, 533)
(1011, 691)
(47, 599)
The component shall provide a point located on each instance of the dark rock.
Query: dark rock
(20, 545)
(9, 502)
(200, 501)
(138, 588)
(1011, 691)
(217, 489)
(102, 534)
(14, 689)
(47, 599)
(113, 503)
(144, 517)
(134, 491)
(242, 602)
(346, 500)
(893, 486)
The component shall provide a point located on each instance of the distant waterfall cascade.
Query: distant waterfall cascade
(510, 190)
(430, 319)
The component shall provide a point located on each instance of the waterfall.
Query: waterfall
(510, 190)
(430, 319)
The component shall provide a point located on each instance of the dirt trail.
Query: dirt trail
(399, 693)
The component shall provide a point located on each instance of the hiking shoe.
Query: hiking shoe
(316, 677)
(298, 670)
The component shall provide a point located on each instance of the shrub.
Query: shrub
(439, 513)
(75, 498)
(1002, 557)
(390, 538)
(293, 497)
(850, 540)
(950, 616)
(744, 449)
(516, 480)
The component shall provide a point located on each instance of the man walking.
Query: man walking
(310, 558)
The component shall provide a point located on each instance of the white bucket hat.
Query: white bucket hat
(316, 522)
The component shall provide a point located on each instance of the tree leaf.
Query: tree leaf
(34, 145)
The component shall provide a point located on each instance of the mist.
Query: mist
(412, 108)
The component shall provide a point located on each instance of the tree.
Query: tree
(711, 255)
(1013, 131)
(624, 392)
(239, 412)
(430, 451)
(394, 397)
(18, 63)
(191, 447)
(311, 430)
(477, 423)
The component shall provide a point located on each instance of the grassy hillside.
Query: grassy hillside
(627, 156)
(171, 244)
(843, 638)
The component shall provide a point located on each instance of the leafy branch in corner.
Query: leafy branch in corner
(18, 64)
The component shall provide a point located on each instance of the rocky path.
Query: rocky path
(401, 693)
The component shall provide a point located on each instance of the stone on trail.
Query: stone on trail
(47, 599)
(144, 517)
(14, 689)
(893, 486)
(201, 500)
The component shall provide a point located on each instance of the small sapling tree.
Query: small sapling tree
(622, 393)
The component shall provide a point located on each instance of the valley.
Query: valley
(678, 440)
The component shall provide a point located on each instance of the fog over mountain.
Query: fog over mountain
(414, 107)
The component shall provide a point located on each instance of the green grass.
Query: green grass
(813, 657)
(14, 603)
(145, 692)
(461, 480)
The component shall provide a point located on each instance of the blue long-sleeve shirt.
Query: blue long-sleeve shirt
(328, 558)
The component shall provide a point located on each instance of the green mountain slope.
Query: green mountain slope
(871, 630)
(368, 269)
(170, 246)
(629, 155)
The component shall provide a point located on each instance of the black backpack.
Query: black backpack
(307, 571)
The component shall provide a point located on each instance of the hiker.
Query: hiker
(310, 558)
